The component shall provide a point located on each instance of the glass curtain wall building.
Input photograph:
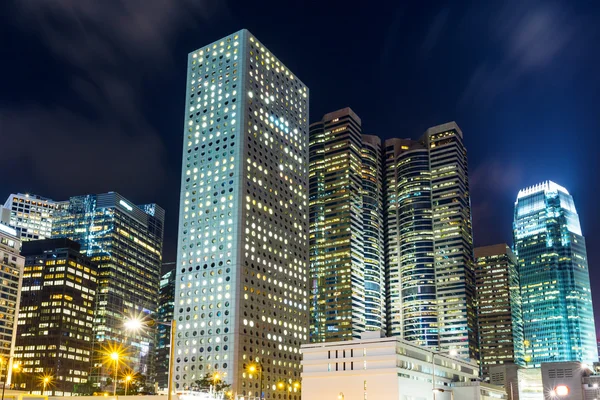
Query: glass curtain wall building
(346, 229)
(166, 298)
(558, 316)
(429, 244)
(373, 239)
(242, 264)
(125, 241)
(56, 317)
(411, 284)
(31, 215)
(499, 314)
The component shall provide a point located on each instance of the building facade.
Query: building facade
(429, 241)
(373, 233)
(499, 312)
(411, 285)
(242, 264)
(346, 229)
(166, 300)
(389, 368)
(11, 265)
(56, 317)
(31, 215)
(558, 317)
(125, 241)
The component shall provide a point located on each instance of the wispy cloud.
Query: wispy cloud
(112, 50)
(525, 38)
(435, 32)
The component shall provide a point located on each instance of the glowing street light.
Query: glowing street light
(128, 379)
(341, 396)
(215, 379)
(16, 367)
(115, 357)
(46, 379)
(257, 367)
(138, 323)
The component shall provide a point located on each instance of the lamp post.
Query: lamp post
(215, 378)
(341, 396)
(4, 363)
(115, 357)
(451, 353)
(128, 379)
(45, 382)
(135, 324)
(257, 367)
(15, 367)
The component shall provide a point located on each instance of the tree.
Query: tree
(209, 381)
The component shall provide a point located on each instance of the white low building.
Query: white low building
(376, 368)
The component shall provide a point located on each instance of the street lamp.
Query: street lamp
(115, 357)
(341, 396)
(451, 353)
(288, 387)
(128, 379)
(15, 368)
(135, 324)
(257, 367)
(215, 378)
(45, 382)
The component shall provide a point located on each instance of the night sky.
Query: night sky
(92, 92)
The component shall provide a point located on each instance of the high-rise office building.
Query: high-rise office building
(558, 318)
(373, 233)
(166, 298)
(346, 229)
(242, 264)
(125, 241)
(11, 265)
(429, 243)
(56, 317)
(499, 314)
(411, 295)
(31, 215)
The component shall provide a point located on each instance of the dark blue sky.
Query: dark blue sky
(92, 92)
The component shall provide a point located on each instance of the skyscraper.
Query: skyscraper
(373, 233)
(11, 265)
(411, 295)
(125, 241)
(499, 314)
(429, 241)
(555, 286)
(31, 215)
(166, 298)
(346, 229)
(241, 295)
(56, 317)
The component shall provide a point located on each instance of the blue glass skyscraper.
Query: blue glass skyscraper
(558, 318)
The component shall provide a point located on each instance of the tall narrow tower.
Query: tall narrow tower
(558, 318)
(346, 229)
(241, 288)
(429, 241)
